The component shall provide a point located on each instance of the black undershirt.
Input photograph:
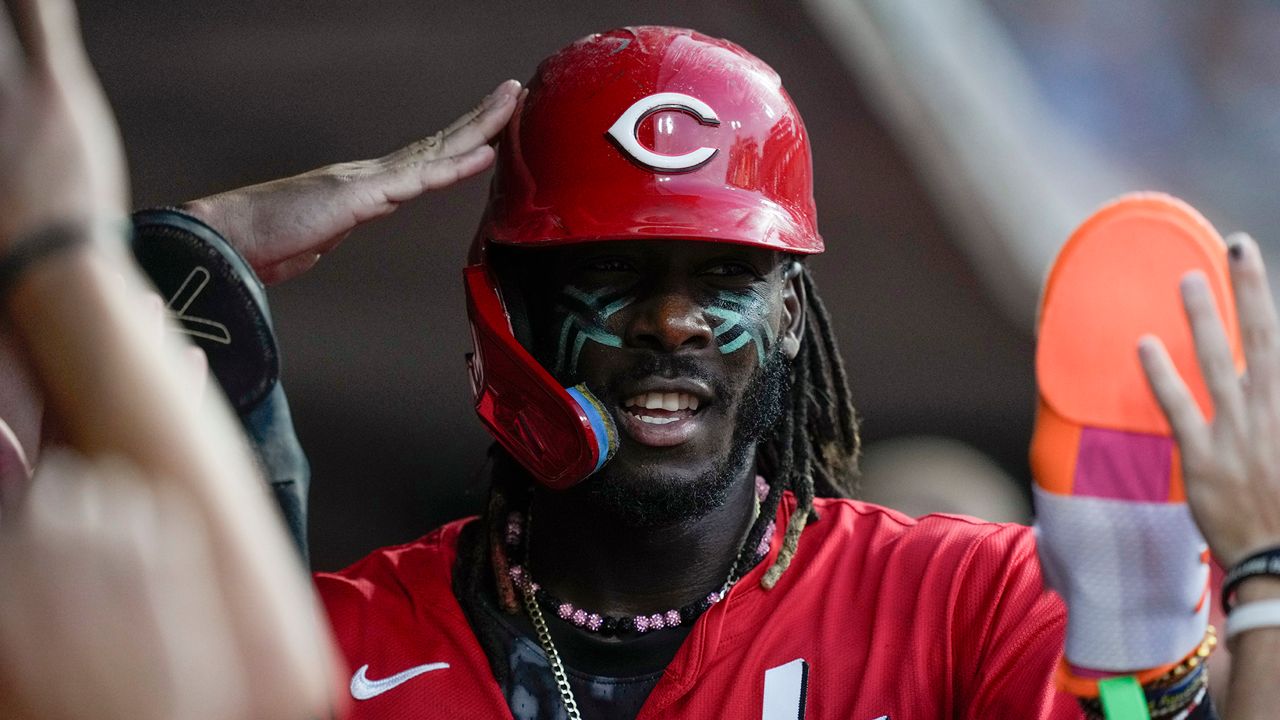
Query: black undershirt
(625, 670)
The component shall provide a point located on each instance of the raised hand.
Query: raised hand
(60, 155)
(282, 227)
(61, 167)
(108, 585)
(101, 548)
(1230, 464)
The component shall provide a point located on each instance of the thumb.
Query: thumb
(288, 269)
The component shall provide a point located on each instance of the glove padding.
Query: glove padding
(219, 303)
(1115, 535)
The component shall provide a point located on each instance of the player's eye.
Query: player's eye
(730, 269)
(609, 265)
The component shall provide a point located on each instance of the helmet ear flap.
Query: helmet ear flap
(513, 299)
(510, 270)
(561, 435)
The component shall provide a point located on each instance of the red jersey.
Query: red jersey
(880, 616)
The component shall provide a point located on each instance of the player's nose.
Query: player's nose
(668, 321)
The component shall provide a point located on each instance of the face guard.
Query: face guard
(638, 133)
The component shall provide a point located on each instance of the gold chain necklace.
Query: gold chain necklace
(553, 657)
(544, 632)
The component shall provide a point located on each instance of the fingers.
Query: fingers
(196, 364)
(1180, 409)
(1213, 351)
(26, 25)
(475, 128)
(99, 543)
(295, 220)
(483, 123)
(459, 167)
(190, 613)
(49, 32)
(12, 64)
(506, 91)
(1258, 331)
(457, 152)
(15, 470)
(411, 180)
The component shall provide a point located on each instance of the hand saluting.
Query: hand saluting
(282, 227)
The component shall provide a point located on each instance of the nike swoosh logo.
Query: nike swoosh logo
(362, 688)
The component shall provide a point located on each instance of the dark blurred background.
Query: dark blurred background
(211, 95)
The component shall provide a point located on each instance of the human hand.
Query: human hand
(282, 227)
(60, 155)
(22, 402)
(1230, 464)
(15, 469)
(21, 415)
(110, 604)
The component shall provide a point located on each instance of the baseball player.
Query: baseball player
(668, 532)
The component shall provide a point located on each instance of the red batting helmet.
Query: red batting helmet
(637, 133)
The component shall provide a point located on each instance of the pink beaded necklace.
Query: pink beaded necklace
(516, 545)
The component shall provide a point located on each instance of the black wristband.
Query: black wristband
(1266, 562)
(223, 306)
(30, 249)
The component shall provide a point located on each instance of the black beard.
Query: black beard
(663, 501)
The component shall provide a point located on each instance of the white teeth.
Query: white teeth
(656, 420)
(671, 401)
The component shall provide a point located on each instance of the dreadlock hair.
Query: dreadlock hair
(813, 451)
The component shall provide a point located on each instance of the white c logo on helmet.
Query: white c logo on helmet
(625, 128)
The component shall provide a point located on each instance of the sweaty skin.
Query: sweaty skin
(586, 317)
(631, 317)
(745, 316)
(653, 529)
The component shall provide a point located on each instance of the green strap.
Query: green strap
(1123, 699)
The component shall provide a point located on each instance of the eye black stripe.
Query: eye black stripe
(576, 306)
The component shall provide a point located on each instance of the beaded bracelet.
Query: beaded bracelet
(1166, 702)
(1266, 562)
(1154, 678)
(30, 249)
(1180, 701)
(1192, 661)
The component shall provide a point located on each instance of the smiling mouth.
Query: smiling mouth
(661, 419)
(662, 408)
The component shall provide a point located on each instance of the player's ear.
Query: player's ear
(793, 306)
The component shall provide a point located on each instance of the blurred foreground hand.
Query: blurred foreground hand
(110, 605)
